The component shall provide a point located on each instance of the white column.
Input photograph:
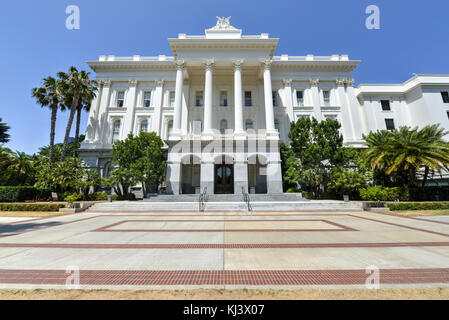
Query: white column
(185, 108)
(176, 133)
(93, 115)
(238, 98)
(269, 112)
(316, 98)
(158, 100)
(208, 94)
(356, 111)
(346, 118)
(130, 108)
(289, 98)
(102, 128)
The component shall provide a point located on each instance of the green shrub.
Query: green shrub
(307, 195)
(21, 194)
(50, 207)
(97, 196)
(293, 190)
(418, 206)
(73, 197)
(379, 193)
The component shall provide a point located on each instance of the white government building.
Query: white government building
(224, 102)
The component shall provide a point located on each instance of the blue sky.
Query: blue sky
(35, 42)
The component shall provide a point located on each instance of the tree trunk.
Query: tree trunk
(54, 112)
(77, 132)
(412, 177)
(69, 124)
(426, 174)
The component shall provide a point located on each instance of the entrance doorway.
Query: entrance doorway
(224, 179)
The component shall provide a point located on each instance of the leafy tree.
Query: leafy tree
(121, 180)
(346, 181)
(86, 180)
(44, 151)
(4, 136)
(50, 95)
(61, 176)
(141, 156)
(291, 167)
(77, 86)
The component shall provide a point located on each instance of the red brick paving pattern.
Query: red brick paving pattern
(225, 277)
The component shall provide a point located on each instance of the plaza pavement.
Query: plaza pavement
(143, 250)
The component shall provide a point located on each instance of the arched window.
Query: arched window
(116, 131)
(144, 126)
(223, 126)
(249, 125)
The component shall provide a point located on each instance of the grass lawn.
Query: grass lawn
(409, 213)
(31, 214)
(337, 294)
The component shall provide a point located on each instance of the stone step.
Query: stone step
(148, 206)
(226, 197)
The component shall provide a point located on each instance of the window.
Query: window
(120, 99)
(169, 126)
(147, 99)
(144, 126)
(274, 94)
(445, 96)
(326, 96)
(249, 125)
(276, 125)
(171, 99)
(300, 98)
(385, 105)
(248, 99)
(223, 126)
(223, 98)
(390, 124)
(199, 99)
(116, 131)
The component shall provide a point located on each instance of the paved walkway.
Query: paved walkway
(223, 250)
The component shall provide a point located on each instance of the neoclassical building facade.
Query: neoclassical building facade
(224, 102)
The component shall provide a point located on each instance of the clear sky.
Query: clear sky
(413, 38)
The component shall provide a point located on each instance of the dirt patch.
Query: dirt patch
(338, 294)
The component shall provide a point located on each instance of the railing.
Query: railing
(203, 200)
(247, 199)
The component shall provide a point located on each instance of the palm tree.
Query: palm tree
(408, 150)
(4, 137)
(22, 166)
(77, 84)
(50, 94)
(83, 104)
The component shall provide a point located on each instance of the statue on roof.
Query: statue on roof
(223, 23)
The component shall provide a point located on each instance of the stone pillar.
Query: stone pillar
(346, 119)
(173, 177)
(176, 133)
(185, 108)
(238, 99)
(269, 112)
(358, 116)
(93, 115)
(130, 108)
(240, 177)
(274, 177)
(316, 98)
(158, 101)
(289, 99)
(102, 127)
(207, 176)
(208, 98)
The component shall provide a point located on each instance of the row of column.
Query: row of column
(238, 99)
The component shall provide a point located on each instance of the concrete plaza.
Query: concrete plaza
(144, 250)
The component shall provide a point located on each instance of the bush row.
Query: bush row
(50, 207)
(20, 194)
(418, 206)
(379, 193)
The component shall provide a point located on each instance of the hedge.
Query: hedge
(418, 206)
(20, 194)
(379, 193)
(50, 207)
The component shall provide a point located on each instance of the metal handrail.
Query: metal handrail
(247, 199)
(202, 200)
